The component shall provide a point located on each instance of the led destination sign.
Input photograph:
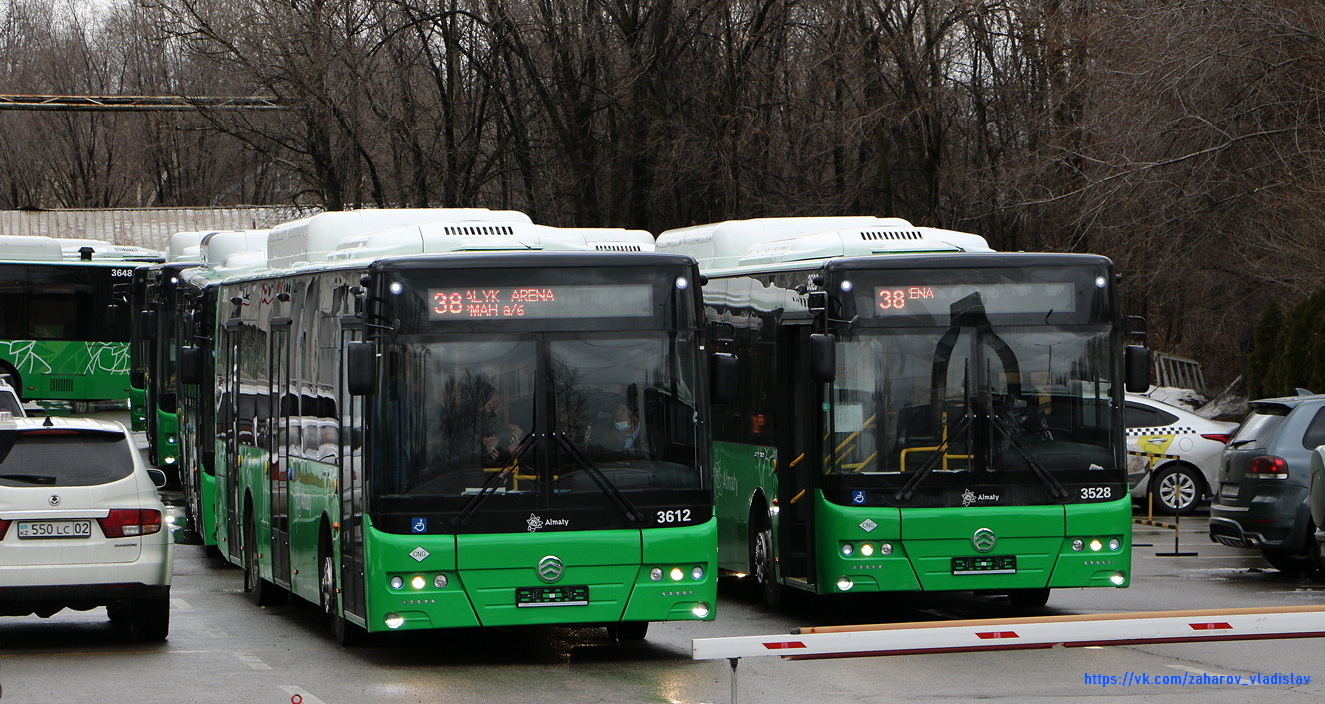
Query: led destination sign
(539, 302)
(997, 298)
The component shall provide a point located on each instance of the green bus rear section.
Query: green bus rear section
(924, 541)
(66, 370)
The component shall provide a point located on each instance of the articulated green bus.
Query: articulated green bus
(63, 332)
(467, 421)
(915, 411)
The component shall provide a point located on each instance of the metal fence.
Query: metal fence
(142, 227)
(1178, 372)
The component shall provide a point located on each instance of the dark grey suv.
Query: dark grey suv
(1263, 479)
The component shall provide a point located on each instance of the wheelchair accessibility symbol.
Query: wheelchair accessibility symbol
(858, 498)
(418, 525)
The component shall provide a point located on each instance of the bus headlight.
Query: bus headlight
(847, 549)
(418, 582)
(397, 582)
(867, 549)
(845, 584)
(700, 610)
(886, 549)
(1115, 543)
(697, 573)
(439, 581)
(394, 620)
(1078, 545)
(656, 574)
(677, 574)
(1096, 545)
(1118, 578)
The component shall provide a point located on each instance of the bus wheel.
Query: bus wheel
(1029, 598)
(345, 633)
(762, 566)
(628, 631)
(260, 591)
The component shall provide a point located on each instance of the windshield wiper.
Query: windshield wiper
(490, 486)
(30, 478)
(908, 489)
(1055, 488)
(623, 504)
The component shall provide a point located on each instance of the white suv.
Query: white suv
(81, 524)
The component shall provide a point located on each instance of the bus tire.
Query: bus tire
(628, 631)
(260, 591)
(347, 634)
(10, 374)
(763, 567)
(1029, 598)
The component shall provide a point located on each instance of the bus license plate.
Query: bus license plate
(990, 564)
(552, 596)
(54, 529)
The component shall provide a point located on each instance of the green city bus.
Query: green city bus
(915, 412)
(472, 421)
(63, 332)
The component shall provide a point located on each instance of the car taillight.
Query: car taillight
(130, 522)
(4, 528)
(1268, 467)
(1218, 437)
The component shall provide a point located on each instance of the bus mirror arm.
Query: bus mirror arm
(190, 365)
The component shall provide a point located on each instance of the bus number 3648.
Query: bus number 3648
(680, 515)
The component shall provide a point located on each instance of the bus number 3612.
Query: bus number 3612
(680, 515)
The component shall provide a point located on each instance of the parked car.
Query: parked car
(9, 401)
(1186, 448)
(1263, 483)
(81, 524)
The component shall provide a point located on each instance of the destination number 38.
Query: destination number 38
(680, 515)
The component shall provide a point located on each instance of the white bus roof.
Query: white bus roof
(770, 241)
(447, 237)
(183, 246)
(312, 238)
(101, 249)
(30, 248)
(233, 251)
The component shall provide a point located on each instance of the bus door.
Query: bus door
(229, 426)
(351, 488)
(798, 402)
(284, 405)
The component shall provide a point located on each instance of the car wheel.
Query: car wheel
(628, 631)
(151, 618)
(1176, 490)
(762, 568)
(345, 633)
(1029, 598)
(1289, 564)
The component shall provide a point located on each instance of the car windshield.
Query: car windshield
(62, 458)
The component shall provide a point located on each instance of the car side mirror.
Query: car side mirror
(361, 368)
(823, 358)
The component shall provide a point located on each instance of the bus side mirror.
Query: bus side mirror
(147, 324)
(1137, 373)
(190, 365)
(823, 358)
(361, 368)
(113, 313)
(723, 370)
(137, 379)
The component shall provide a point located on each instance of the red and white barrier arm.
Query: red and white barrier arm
(1023, 633)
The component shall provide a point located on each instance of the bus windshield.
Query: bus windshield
(969, 406)
(539, 419)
